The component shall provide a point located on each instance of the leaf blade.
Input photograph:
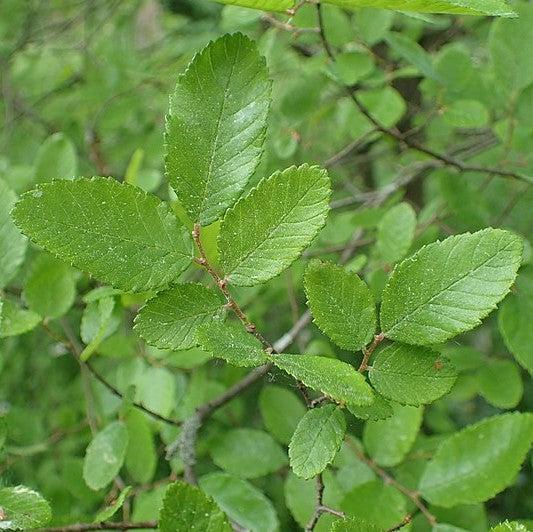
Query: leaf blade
(267, 229)
(114, 231)
(214, 137)
(447, 287)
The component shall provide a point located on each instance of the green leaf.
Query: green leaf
(281, 411)
(108, 512)
(97, 323)
(232, 343)
(16, 320)
(379, 504)
(332, 377)
(466, 114)
(412, 52)
(268, 229)
(316, 440)
(448, 287)
(509, 44)
(247, 453)
(457, 7)
(500, 383)
(216, 126)
(56, 159)
(411, 375)
(23, 509)
(515, 319)
(389, 440)
(141, 456)
(50, 287)
(186, 507)
(157, 389)
(341, 304)
(396, 232)
(242, 501)
(171, 319)
(510, 526)
(265, 5)
(379, 409)
(351, 524)
(12, 243)
(479, 461)
(114, 231)
(105, 455)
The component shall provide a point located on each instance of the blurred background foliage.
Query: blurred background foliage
(84, 91)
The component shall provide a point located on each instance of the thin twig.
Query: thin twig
(447, 160)
(75, 349)
(388, 479)
(367, 351)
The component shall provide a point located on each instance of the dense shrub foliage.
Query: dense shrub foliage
(297, 295)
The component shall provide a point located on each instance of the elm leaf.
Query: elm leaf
(116, 232)
(448, 287)
(335, 378)
(186, 507)
(216, 126)
(341, 303)
(265, 232)
(316, 440)
(411, 375)
(171, 319)
(476, 463)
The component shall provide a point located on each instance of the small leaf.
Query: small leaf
(396, 232)
(268, 229)
(510, 526)
(515, 320)
(281, 411)
(15, 320)
(352, 524)
(412, 52)
(108, 512)
(388, 441)
(466, 114)
(379, 504)
(186, 507)
(141, 455)
(265, 5)
(448, 287)
(112, 230)
(500, 383)
(171, 319)
(411, 375)
(479, 461)
(50, 287)
(56, 159)
(379, 409)
(332, 377)
(105, 455)
(242, 501)
(216, 126)
(247, 453)
(316, 440)
(12, 243)
(23, 509)
(341, 304)
(232, 343)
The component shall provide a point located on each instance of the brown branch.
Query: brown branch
(367, 351)
(320, 507)
(73, 347)
(85, 527)
(414, 496)
(406, 140)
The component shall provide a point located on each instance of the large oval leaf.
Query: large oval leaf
(478, 462)
(112, 230)
(448, 287)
